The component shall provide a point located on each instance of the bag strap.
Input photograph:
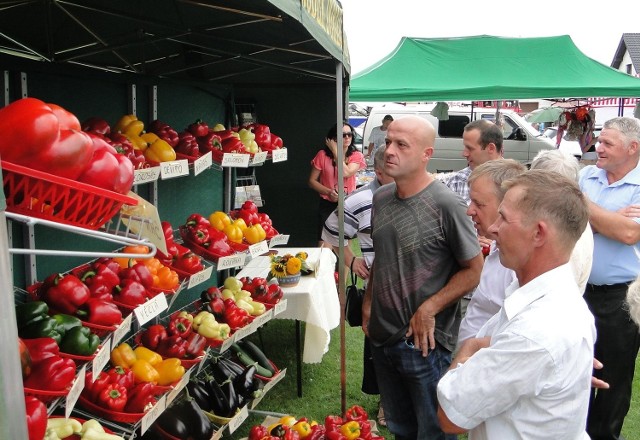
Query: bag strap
(354, 277)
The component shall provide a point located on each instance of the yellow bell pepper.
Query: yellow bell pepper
(184, 314)
(143, 371)
(148, 355)
(158, 150)
(134, 128)
(302, 428)
(123, 122)
(170, 370)
(123, 356)
(233, 233)
(351, 430)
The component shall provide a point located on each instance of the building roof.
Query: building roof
(628, 43)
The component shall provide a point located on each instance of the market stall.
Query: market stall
(174, 61)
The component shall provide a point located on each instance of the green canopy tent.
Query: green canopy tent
(486, 68)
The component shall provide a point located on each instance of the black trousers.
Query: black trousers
(617, 343)
(369, 380)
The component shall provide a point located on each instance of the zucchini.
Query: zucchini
(247, 361)
(255, 353)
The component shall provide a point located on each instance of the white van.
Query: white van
(521, 141)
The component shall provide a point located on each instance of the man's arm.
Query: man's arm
(614, 225)
(423, 322)
(366, 302)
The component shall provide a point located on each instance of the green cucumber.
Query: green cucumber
(247, 361)
(252, 350)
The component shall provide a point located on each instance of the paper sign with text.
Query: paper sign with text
(200, 277)
(74, 392)
(234, 160)
(202, 163)
(152, 308)
(122, 330)
(237, 420)
(150, 229)
(259, 158)
(235, 260)
(174, 168)
(279, 155)
(153, 414)
(258, 249)
(278, 240)
(102, 357)
(146, 175)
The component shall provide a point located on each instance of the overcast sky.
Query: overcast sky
(374, 27)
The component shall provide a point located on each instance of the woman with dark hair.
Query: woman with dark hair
(324, 172)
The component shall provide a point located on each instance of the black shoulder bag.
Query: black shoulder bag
(353, 304)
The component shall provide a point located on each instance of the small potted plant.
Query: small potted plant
(287, 268)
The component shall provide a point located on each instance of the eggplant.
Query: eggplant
(200, 427)
(222, 372)
(198, 390)
(232, 396)
(172, 422)
(219, 401)
(233, 366)
(243, 384)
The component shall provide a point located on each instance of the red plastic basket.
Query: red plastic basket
(45, 396)
(46, 196)
(115, 416)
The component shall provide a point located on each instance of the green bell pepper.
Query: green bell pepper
(30, 312)
(46, 327)
(80, 341)
(66, 322)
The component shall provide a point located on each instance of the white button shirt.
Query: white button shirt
(533, 381)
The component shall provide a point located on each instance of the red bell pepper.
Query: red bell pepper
(131, 292)
(333, 423)
(109, 262)
(317, 433)
(93, 388)
(197, 219)
(356, 413)
(234, 315)
(219, 243)
(123, 145)
(36, 417)
(275, 293)
(121, 376)
(65, 293)
(52, 374)
(101, 280)
(66, 157)
(180, 326)
(334, 435)
(153, 335)
(189, 262)
(100, 312)
(257, 432)
(172, 347)
(108, 169)
(68, 121)
(198, 128)
(167, 230)
(41, 349)
(164, 131)
(113, 397)
(141, 398)
(188, 144)
(216, 306)
(233, 145)
(263, 136)
(138, 272)
(276, 142)
(96, 125)
(199, 234)
(209, 142)
(196, 344)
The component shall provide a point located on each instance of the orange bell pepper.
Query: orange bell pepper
(167, 279)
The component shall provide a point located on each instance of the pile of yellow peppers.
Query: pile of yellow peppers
(153, 148)
(147, 365)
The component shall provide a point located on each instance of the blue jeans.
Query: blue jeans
(408, 384)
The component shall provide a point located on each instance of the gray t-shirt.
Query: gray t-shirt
(418, 242)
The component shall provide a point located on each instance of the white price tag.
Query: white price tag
(146, 175)
(102, 357)
(179, 387)
(200, 277)
(122, 330)
(279, 155)
(74, 392)
(235, 160)
(257, 400)
(153, 414)
(280, 307)
(237, 420)
(152, 308)
(245, 331)
(202, 163)
(259, 158)
(258, 249)
(262, 319)
(235, 260)
(278, 240)
(174, 168)
(227, 343)
(274, 381)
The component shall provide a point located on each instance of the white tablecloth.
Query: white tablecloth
(314, 300)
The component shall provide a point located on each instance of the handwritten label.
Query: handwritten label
(278, 240)
(74, 392)
(245, 331)
(259, 158)
(153, 414)
(279, 155)
(258, 249)
(174, 168)
(150, 227)
(262, 319)
(179, 387)
(102, 357)
(146, 175)
(122, 330)
(200, 277)
(227, 343)
(237, 420)
(235, 160)
(152, 308)
(274, 381)
(235, 260)
(280, 307)
(202, 163)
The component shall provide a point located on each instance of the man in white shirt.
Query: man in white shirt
(528, 372)
(377, 137)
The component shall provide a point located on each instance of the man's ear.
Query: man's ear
(491, 147)
(428, 152)
(541, 234)
(633, 147)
